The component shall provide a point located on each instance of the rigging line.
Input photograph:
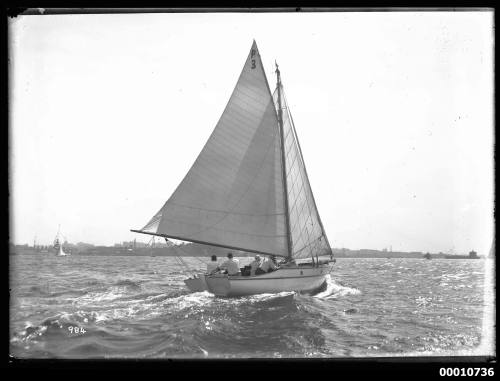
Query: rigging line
(156, 218)
(193, 271)
(305, 227)
(185, 265)
(179, 259)
(310, 242)
(189, 254)
(303, 203)
(295, 159)
(307, 245)
(296, 201)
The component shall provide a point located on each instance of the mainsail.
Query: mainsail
(235, 195)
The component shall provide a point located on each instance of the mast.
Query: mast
(283, 165)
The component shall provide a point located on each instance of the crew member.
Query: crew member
(231, 265)
(212, 266)
(269, 265)
(257, 262)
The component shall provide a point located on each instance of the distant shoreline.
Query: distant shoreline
(195, 250)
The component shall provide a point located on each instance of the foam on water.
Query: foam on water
(334, 290)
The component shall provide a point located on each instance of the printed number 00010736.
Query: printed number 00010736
(471, 372)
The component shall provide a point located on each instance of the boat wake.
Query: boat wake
(103, 310)
(335, 291)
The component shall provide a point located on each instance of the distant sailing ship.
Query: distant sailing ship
(248, 190)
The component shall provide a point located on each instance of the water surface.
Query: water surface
(138, 307)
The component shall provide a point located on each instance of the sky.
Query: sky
(393, 110)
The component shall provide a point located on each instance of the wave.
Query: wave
(128, 313)
(335, 291)
(45, 291)
(133, 285)
(122, 290)
(52, 326)
(118, 304)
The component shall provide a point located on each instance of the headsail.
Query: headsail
(307, 234)
(233, 195)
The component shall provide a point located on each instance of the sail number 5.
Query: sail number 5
(252, 53)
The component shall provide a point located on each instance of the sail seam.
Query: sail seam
(250, 94)
(237, 203)
(225, 211)
(210, 138)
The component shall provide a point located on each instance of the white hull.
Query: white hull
(284, 279)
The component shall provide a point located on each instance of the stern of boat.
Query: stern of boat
(196, 283)
(218, 284)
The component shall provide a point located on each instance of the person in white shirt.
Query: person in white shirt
(231, 265)
(257, 262)
(212, 266)
(269, 265)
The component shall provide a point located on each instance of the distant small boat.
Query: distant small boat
(248, 191)
(58, 246)
(62, 253)
(427, 256)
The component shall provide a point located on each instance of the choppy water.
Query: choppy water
(136, 307)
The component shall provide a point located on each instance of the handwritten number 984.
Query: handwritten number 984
(76, 330)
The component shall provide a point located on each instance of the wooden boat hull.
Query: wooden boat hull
(196, 283)
(300, 279)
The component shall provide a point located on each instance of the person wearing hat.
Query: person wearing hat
(255, 265)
